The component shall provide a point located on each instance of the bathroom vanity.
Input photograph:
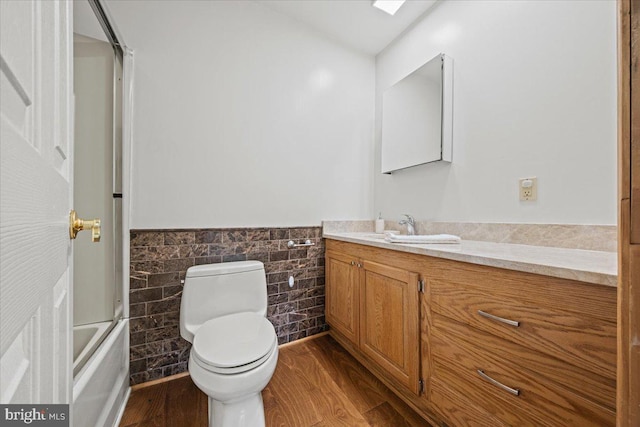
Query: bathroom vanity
(480, 333)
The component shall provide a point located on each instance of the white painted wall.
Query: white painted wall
(243, 117)
(534, 95)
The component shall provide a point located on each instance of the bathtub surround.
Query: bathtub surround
(160, 258)
(94, 275)
(102, 388)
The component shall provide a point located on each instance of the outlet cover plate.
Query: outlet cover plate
(528, 194)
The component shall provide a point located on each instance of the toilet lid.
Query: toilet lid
(234, 343)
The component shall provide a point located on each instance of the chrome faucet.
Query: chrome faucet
(410, 223)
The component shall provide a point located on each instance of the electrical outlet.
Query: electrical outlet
(528, 189)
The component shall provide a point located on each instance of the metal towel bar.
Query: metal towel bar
(291, 244)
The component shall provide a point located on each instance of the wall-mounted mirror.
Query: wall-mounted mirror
(417, 117)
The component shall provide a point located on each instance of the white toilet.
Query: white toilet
(234, 347)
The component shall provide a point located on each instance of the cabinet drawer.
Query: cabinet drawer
(550, 323)
(457, 409)
(593, 387)
(459, 353)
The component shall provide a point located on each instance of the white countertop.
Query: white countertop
(576, 264)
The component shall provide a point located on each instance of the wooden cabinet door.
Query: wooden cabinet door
(389, 320)
(342, 294)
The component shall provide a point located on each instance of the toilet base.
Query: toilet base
(245, 412)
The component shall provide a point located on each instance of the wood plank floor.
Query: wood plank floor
(316, 383)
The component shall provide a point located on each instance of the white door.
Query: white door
(35, 196)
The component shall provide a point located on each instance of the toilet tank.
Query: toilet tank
(215, 290)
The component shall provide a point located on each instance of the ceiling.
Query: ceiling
(354, 23)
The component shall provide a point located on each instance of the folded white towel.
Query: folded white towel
(430, 238)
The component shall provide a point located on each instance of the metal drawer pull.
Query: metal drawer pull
(499, 319)
(513, 391)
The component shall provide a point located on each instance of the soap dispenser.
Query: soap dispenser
(380, 224)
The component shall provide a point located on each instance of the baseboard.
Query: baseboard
(302, 340)
(159, 381)
(185, 374)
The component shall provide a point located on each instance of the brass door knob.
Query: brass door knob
(76, 224)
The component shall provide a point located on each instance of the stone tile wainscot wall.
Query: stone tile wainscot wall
(159, 261)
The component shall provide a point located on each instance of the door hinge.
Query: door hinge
(421, 286)
(420, 386)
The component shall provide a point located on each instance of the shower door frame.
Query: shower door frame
(122, 110)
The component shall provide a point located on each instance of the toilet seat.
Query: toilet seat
(234, 343)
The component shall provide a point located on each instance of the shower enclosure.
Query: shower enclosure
(97, 298)
(100, 330)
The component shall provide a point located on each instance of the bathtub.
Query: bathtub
(85, 340)
(101, 386)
